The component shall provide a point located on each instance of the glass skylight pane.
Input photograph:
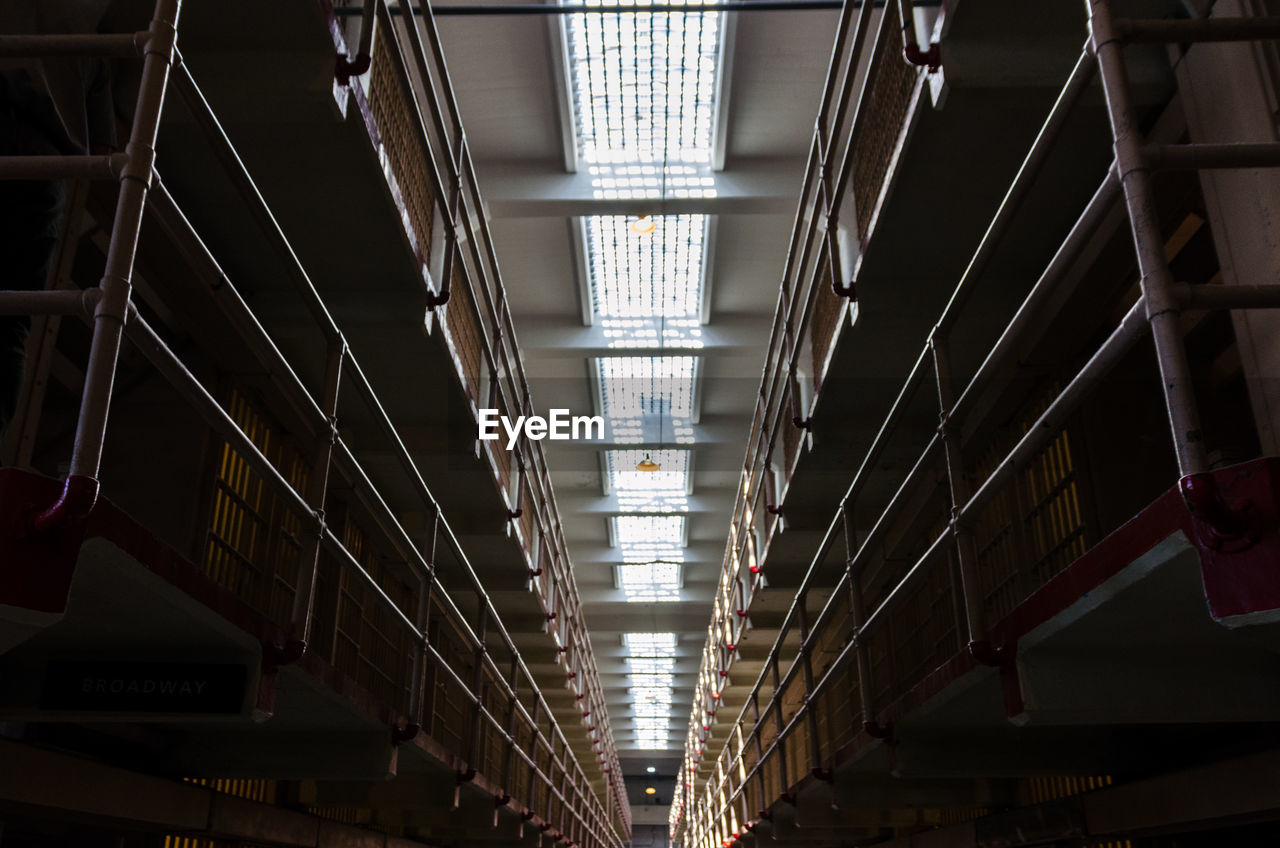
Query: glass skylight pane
(650, 644)
(647, 398)
(650, 665)
(643, 85)
(649, 582)
(649, 491)
(623, 476)
(650, 538)
(647, 291)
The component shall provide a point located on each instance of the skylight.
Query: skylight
(649, 582)
(651, 668)
(649, 644)
(643, 88)
(647, 292)
(650, 538)
(665, 490)
(647, 398)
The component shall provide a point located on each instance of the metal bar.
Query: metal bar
(123, 44)
(1156, 279)
(317, 490)
(102, 167)
(117, 276)
(958, 489)
(1228, 297)
(815, 747)
(1198, 30)
(49, 302)
(1195, 156)
(626, 9)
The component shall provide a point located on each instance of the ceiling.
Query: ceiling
(510, 74)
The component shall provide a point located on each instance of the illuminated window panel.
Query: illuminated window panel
(650, 665)
(647, 292)
(664, 490)
(649, 644)
(672, 476)
(643, 88)
(650, 538)
(635, 388)
(655, 582)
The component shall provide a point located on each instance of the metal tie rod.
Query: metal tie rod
(1231, 155)
(107, 167)
(1198, 30)
(632, 8)
(126, 44)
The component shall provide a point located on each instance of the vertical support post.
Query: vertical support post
(755, 732)
(811, 718)
(858, 617)
(317, 491)
(971, 587)
(507, 783)
(535, 773)
(779, 743)
(1156, 279)
(80, 490)
(422, 620)
(429, 689)
(482, 627)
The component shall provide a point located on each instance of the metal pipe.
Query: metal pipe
(1197, 30)
(1196, 156)
(1228, 297)
(958, 490)
(1156, 280)
(911, 51)
(636, 8)
(77, 45)
(109, 314)
(51, 302)
(317, 490)
(108, 166)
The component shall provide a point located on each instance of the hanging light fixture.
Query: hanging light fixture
(644, 225)
(647, 464)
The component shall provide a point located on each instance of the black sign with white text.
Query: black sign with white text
(144, 687)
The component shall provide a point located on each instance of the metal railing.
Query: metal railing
(864, 51)
(773, 747)
(558, 790)
(503, 384)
